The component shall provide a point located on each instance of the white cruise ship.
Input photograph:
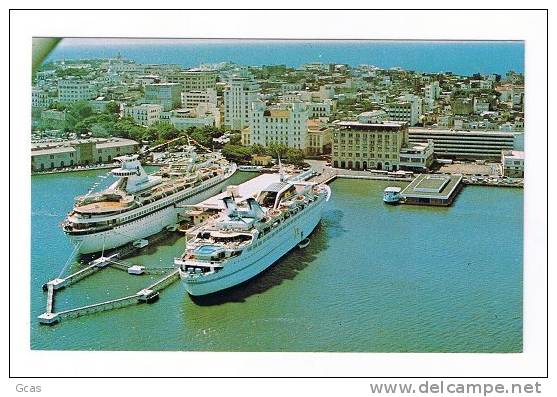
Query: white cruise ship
(139, 205)
(248, 237)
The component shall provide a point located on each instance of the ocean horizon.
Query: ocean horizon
(459, 57)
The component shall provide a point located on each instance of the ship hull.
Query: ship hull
(250, 264)
(141, 228)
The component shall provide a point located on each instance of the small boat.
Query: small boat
(140, 243)
(136, 269)
(148, 296)
(391, 195)
(304, 243)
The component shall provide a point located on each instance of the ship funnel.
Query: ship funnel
(230, 204)
(255, 210)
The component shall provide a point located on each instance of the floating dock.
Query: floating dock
(432, 189)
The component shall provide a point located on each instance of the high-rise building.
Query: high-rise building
(40, 98)
(404, 111)
(190, 99)
(239, 94)
(284, 124)
(165, 94)
(194, 79)
(73, 90)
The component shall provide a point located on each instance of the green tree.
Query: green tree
(259, 149)
(112, 107)
(236, 153)
(295, 156)
(277, 149)
(77, 112)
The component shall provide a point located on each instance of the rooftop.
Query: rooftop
(277, 113)
(52, 150)
(432, 186)
(460, 132)
(515, 154)
(245, 190)
(389, 125)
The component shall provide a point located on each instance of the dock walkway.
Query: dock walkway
(148, 294)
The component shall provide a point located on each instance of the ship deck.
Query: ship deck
(246, 190)
(101, 206)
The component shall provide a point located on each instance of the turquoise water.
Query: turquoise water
(374, 278)
(463, 57)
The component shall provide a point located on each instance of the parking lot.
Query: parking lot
(489, 169)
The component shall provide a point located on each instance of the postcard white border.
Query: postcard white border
(454, 25)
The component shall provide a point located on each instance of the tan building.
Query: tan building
(319, 138)
(194, 79)
(45, 159)
(261, 160)
(368, 146)
(245, 137)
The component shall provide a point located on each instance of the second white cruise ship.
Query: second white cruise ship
(242, 241)
(139, 205)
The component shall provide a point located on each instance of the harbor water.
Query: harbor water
(374, 278)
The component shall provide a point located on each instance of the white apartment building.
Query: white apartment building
(146, 114)
(203, 115)
(121, 66)
(284, 124)
(239, 94)
(73, 90)
(512, 162)
(191, 99)
(418, 156)
(432, 92)
(40, 98)
(481, 105)
(319, 109)
(403, 111)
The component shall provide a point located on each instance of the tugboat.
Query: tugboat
(391, 195)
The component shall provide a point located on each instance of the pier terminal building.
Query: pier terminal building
(466, 145)
(47, 155)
